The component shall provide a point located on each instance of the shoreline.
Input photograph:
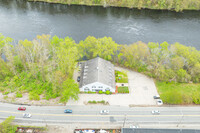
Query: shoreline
(176, 7)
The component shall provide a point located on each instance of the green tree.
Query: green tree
(3, 41)
(182, 76)
(7, 126)
(195, 72)
(70, 90)
(4, 70)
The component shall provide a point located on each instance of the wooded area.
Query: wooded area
(45, 65)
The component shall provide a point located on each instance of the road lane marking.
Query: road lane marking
(74, 115)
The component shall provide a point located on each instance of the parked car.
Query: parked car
(22, 108)
(68, 111)
(78, 79)
(155, 112)
(159, 102)
(156, 97)
(104, 112)
(27, 115)
(134, 126)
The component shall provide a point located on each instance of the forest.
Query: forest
(177, 5)
(45, 65)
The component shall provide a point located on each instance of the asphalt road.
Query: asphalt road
(118, 114)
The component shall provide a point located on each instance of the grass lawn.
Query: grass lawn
(179, 93)
(121, 77)
(123, 89)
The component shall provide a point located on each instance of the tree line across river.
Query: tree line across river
(45, 65)
(177, 5)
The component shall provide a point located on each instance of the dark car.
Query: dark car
(156, 97)
(68, 111)
(22, 108)
(78, 79)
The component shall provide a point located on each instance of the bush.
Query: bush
(18, 95)
(2, 89)
(108, 92)
(34, 96)
(195, 97)
(92, 102)
(100, 92)
(5, 97)
(6, 93)
(103, 102)
(90, 92)
(95, 102)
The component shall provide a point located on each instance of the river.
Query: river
(20, 20)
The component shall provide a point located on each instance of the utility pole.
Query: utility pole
(124, 120)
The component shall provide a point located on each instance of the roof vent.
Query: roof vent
(97, 68)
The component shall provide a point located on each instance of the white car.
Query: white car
(104, 112)
(27, 115)
(155, 112)
(134, 126)
(159, 102)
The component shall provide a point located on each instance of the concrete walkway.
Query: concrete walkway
(141, 88)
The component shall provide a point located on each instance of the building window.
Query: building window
(107, 89)
(86, 89)
(93, 86)
(100, 86)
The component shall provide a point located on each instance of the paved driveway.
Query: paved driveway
(142, 89)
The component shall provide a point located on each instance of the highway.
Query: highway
(117, 114)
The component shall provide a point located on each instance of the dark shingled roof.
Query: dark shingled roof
(97, 70)
(146, 130)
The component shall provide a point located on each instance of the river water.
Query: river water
(24, 20)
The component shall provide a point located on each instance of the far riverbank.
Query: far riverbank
(176, 5)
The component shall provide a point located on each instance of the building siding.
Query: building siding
(96, 86)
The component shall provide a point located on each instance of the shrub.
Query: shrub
(5, 84)
(103, 102)
(90, 92)
(95, 102)
(19, 95)
(34, 96)
(100, 92)
(92, 102)
(5, 97)
(2, 89)
(108, 92)
(6, 93)
(195, 97)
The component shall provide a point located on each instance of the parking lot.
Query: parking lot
(141, 88)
